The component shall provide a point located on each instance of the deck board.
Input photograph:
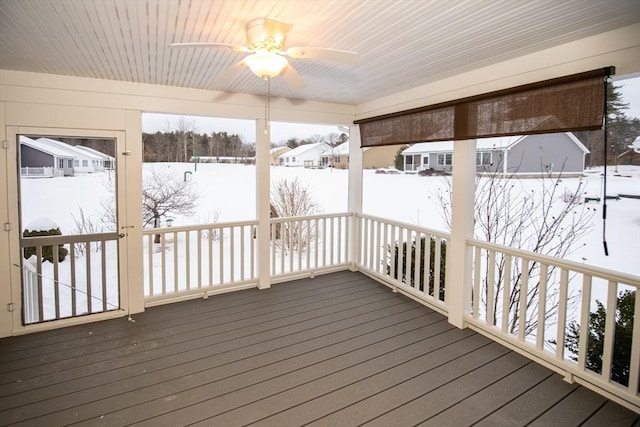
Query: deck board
(339, 349)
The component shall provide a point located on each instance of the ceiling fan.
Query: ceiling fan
(265, 43)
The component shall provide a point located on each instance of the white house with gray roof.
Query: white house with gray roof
(307, 155)
(514, 155)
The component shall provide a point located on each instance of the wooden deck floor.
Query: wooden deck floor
(337, 350)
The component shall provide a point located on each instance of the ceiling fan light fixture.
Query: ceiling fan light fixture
(266, 64)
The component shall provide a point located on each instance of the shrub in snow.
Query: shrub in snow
(399, 271)
(47, 251)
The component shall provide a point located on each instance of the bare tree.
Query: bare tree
(293, 199)
(184, 131)
(165, 193)
(549, 221)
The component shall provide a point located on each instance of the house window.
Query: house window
(293, 159)
(69, 163)
(76, 163)
(85, 163)
(425, 161)
(445, 159)
(336, 159)
(61, 163)
(483, 159)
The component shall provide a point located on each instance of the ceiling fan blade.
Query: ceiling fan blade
(234, 47)
(230, 73)
(292, 78)
(334, 55)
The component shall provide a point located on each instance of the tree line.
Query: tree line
(621, 131)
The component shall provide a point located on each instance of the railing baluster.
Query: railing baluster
(506, 291)
(635, 348)
(366, 247)
(310, 238)
(55, 250)
(477, 265)
(176, 267)
(40, 290)
(163, 263)
(187, 252)
(401, 256)
(417, 276)
(491, 283)
(72, 255)
(221, 255)
(522, 302)
(199, 255)
(210, 257)
(339, 238)
(437, 256)
(609, 330)
(562, 313)
(252, 252)
(232, 250)
(242, 253)
(316, 243)
(103, 251)
(88, 276)
(301, 242)
(394, 252)
(150, 261)
(585, 314)
(407, 256)
(542, 306)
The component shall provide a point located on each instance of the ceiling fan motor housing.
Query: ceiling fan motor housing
(267, 33)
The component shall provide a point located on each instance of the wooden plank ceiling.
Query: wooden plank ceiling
(402, 44)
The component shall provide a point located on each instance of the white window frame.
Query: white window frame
(445, 159)
(480, 157)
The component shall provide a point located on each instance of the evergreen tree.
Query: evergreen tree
(595, 345)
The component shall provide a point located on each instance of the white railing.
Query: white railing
(201, 260)
(198, 260)
(40, 172)
(69, 276)
(388, 250)
(310, 244)
(541, 306)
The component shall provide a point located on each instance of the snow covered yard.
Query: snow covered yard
(228, 191)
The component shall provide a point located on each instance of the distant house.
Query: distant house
(83, 161)
(276, 152)
(108, 162)
(308, 155)
(519, 155)
(372, 157)
(41, 160)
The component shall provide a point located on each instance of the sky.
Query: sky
(281, 131)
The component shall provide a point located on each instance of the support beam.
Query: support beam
(133, 288)
(355, 192)
(458, 285)
(263, 197)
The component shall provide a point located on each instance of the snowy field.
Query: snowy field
(228, 192)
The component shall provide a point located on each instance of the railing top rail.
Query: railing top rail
(308, 217)
(71, 238)
(441, 234)
(197, 227)
(615, 276)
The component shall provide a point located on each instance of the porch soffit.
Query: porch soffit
(403, 45)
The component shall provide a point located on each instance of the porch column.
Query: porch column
(6, 325)
(458, 285)
(355, 193)
(263, 196)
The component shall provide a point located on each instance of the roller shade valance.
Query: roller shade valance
(564, 104)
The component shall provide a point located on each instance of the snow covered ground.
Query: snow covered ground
(228, 192)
